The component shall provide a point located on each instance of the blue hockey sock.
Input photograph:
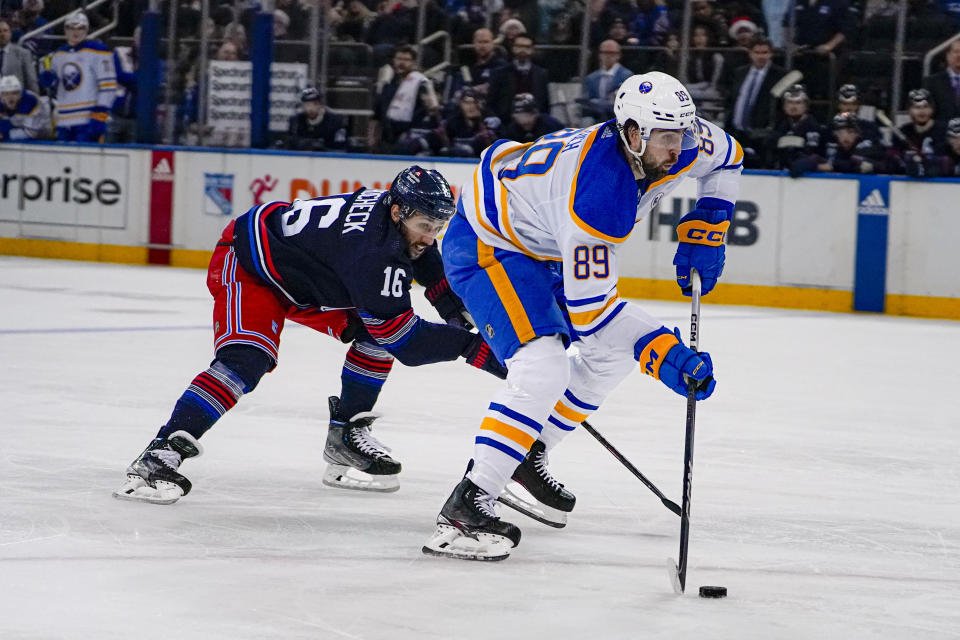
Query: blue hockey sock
(365, 369)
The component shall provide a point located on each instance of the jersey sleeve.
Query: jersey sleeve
(718, 168)
(381, 293)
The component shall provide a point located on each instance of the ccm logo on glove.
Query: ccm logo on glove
(697, 232)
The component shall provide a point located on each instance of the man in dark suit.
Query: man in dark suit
(945, 86)
(15, 60)
(750, 107)
(520, 76)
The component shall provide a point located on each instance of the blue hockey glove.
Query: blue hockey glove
(479, 355)
(47, 79)
(663, 355)
(701, 234)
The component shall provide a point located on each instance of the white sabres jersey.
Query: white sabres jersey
(572, 197)
(87, 82)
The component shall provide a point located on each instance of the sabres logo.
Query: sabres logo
(71, 76)
(645, 87)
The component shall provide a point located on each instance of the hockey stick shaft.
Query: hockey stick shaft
(691, 423)
(667, 502)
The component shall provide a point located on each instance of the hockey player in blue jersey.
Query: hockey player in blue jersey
(341, 265)
(84, 75)
(532, 251)
(23, 115)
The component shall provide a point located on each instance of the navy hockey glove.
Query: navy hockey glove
(663, 355)
(701, 233)
(479, 355)
(448, 305)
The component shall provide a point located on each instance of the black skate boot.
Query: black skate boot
(468, 526)
(551, 502)
(154, 476)
(350, 446)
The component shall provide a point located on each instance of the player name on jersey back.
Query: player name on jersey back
(359, 213)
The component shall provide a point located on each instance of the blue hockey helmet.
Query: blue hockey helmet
(418, 190)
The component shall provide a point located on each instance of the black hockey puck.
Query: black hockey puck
(713, 592)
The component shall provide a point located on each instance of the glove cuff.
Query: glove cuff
(652, 348)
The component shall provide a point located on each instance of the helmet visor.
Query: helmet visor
(423, 225)
(688, 138)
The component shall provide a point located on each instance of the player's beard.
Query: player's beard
(416, 250)
(654, 172)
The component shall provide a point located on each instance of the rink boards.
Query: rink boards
(827, 242)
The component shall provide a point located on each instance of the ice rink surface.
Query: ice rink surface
(826, 490)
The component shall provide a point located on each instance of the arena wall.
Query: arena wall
(836, 243)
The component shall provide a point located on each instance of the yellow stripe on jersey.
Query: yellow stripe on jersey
(569, 413)
(510, 432)
(573, 194)
(738, 156)
(583, 318)
(505, 291)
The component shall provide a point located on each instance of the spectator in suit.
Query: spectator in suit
(15, 60)
(944, 87)
(750, 107)
(600, 87)
(527, 123)
(520, 76)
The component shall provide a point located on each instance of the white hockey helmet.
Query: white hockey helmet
(656, 100)
(77, 19)
(10, 84)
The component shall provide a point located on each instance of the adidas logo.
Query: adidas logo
(874, 204)
(162, 171)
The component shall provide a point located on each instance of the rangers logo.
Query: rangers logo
(645, 87)
(218, 194)
(72, 76)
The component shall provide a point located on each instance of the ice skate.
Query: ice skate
(357, 460)
(154, 476)
(536, 493)
(468, 527)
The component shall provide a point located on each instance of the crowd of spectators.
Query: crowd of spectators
(510, 57)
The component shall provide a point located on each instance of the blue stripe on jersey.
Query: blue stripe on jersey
(577, 401)
(519, 417)
(580, 302)
(489, 199)
(501, 447)
(729, 149)
(605, 320)
(559, 424)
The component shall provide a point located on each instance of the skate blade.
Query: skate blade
(343, 477)
(137, 489)
(450, 542)
(516, 497)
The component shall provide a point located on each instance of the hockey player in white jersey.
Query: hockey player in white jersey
(532, 252)
(23, 115)
(84, 74)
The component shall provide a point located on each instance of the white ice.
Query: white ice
(825, 485)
